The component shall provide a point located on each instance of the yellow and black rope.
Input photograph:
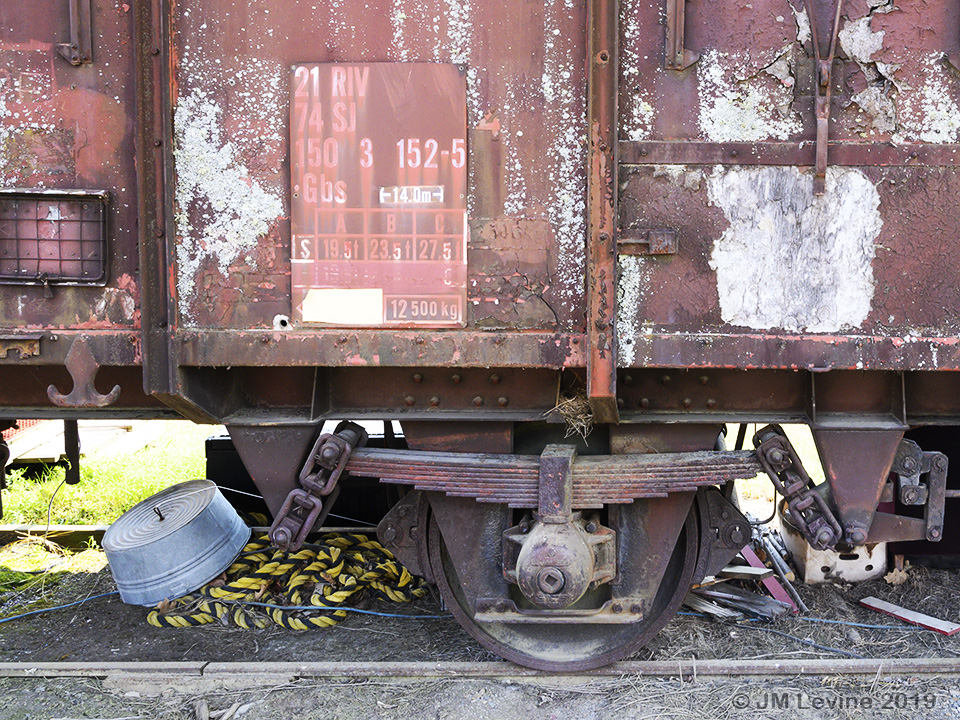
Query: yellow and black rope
(327, 576)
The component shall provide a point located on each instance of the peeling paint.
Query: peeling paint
(804, 33)
(792, 260)
(858, 41)
(733, 108)
(633, 281)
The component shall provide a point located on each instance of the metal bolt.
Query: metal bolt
(617, 608)
(264, 339)
(910, 495)
(502, 402)
(417, 378)
(857, 535)
(636, 609)
(909, 464)
(389, 534)
(776, 456)
(434, 401)
(409, 401)
(825, 537)
(591, 527)
(478, 401)
(343, 338)
(934, 533)
(280, 536)
(551, 580)
(329, 453)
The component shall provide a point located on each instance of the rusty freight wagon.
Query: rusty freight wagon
(488, 221)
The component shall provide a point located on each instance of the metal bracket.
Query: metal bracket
(304, 507)
(824, 89)
(647, 242)
(79, 51)
(82, 367)
(676, 57)
(20, 346)
(911, 464)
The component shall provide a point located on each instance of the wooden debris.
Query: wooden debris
(746, 601)
(746, 572)
(914, 618)
(772, 586)
(707, 607)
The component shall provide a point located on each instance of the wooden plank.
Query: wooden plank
(745, 572)
(773, 587)
(870, 667)
(914, 618)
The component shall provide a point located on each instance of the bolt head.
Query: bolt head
(825, 537)
(857, 535)
(389, 534)
(551, 580)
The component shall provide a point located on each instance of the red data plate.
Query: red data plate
(378, 162)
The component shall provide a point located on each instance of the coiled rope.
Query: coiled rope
(329, 575)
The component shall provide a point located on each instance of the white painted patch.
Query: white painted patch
(633, 282)
(790, 259)
(235, 209)
(735, 109)
(858, 41)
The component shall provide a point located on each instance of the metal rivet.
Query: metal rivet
(704, 379)
(617, 608)
(711, 403)
(158, 143)
(621, 402)
(734, 153)
(636, 609)
(417, 378)
(434, 401)
(687, 402)
(478, 401)
(665, 380)
(644, 402)
(409, 401)
(419, 341)
(456, 379)
(159, 232)
(502, 402)
(603, 57)
(264, 340)
(156, 51)
(343, 338)
(495, 379)
(628, 380)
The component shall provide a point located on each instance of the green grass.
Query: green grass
(110, 484)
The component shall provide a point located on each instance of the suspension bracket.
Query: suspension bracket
(305, 508)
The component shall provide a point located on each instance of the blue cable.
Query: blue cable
(58, 607)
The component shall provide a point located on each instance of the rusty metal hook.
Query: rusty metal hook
(82, 367)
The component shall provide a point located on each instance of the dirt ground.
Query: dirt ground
(105, 629)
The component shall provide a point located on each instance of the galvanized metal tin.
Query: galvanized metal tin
(173, 543)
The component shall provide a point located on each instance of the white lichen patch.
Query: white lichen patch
(633, 282)
(929, 113)
(229, 143)
(636, 121)
(737, 109)
(858, 41)
(879, 107)
(792, 260)
(221, 210)
(565, 124)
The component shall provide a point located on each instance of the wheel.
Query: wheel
(571, 647)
